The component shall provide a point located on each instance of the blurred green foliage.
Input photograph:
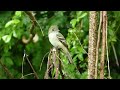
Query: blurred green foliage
(74, 25)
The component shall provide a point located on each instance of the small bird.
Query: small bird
(58, 41)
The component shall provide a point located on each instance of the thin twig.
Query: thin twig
(22, 64)
(49, 66)
(107, 50)
(32, 68)
(115, 54)
(109, 76)
(80, 43)
(40, 27)
(6, 70)
(43, 60)
(26, 75)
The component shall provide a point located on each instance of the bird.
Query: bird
(58, 41)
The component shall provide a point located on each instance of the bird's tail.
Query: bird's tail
(68, 55)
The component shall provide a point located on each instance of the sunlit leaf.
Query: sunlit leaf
(6, 38)
(80, 56)
(14, 34)
(80, 17)
(15, 21)
(18, 13)
(111, 32)
(113, 39)
(79, 13)
(8, 24)
(73, 22)
(80, 49)
(83, 15)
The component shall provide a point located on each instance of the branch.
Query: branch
(32, 68)
(98, 43)
(32, 17)
(103, 45)
(24, 40)
(60, 69)
(6, 70)
(49, 66)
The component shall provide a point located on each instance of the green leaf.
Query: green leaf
(111, 32)
(8, 24)
(79, 13)
(14, 34)
(59, 13)
(80, 56)
(83, 15)
(84, 75)
(113, 39)
(80, 49)
(6, 38)
(18, 13)
(113, 24)
(75, 57)
(73, 22)
(15, 21)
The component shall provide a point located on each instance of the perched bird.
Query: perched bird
(58, 41)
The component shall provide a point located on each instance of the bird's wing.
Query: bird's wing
(62, 39)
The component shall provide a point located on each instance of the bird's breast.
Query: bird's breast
(53, 39)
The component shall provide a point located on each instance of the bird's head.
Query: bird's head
(53, 28)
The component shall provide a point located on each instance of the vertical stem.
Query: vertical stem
(107, 50)
(115, 54)
(98, 42)
(103, 45)
(92, 44)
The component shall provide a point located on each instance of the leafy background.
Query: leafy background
(74, 25)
